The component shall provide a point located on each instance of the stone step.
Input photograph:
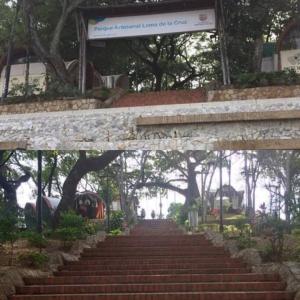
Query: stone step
(198, 248)
(189, 266)
(155, 272)
(265, 295)
(152, 288)
(152, 243)
(157, 262)
(247, 277)
(146, 262)
(168, 271)
(142, 253)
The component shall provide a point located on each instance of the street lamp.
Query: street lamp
(39, 198)
(221, 191)
(204, 171)
(107, 200)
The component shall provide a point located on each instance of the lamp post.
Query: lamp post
(160, 207)
(39, 198)
(204, 171)
(107, 200)
(221, 191)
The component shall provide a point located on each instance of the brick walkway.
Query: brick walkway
(156, 262)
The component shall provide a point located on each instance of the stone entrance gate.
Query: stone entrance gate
(247, 124)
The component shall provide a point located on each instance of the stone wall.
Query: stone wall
(122, 99)
(254, 93)
(118, 128)
(49, 106)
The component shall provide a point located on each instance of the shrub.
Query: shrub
(213, 227)
(71, 219)
(9, 230)
(143, 214)
(241, 232)
(33, 259)
(71, 228)
(37, 240)
(248, 80)
(274, 232)
(91, 227)
(116, 220)
(174, 213)
(20, 89)
(115, 232)
(153, 215)
(294, 254)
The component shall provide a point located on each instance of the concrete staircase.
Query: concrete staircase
(156, 262)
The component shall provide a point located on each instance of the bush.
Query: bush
(71, 219)
(115, 232)
(213, 227)
(37, 240)
(71, 228)
(33, 259)
(248, 80)
(241, 232)
(9, 230)
(174, 213)
(91, 227)
(116, 220)
(274, 231)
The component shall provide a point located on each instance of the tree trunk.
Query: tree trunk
(287, 197)
(82, 167)
(193, 189)
(258, 54)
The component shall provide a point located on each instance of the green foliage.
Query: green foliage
(92, 227)
(153, 214)
(213, 227)
(116, 220)
(174, 212)
(102, 93)
(20, 89)
(33, 259)
(294, 254)
(143, 214)
(71, 228)
(248, 80)
(9, 229)
(187, 225)
(274, 231)
(241, 232)
(72, 220)
(56, 89)
(115, 232)
(37, 240)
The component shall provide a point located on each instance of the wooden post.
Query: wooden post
(223, 42)
(82, 55)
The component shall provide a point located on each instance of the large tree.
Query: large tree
(82, 167)
(10, 180)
